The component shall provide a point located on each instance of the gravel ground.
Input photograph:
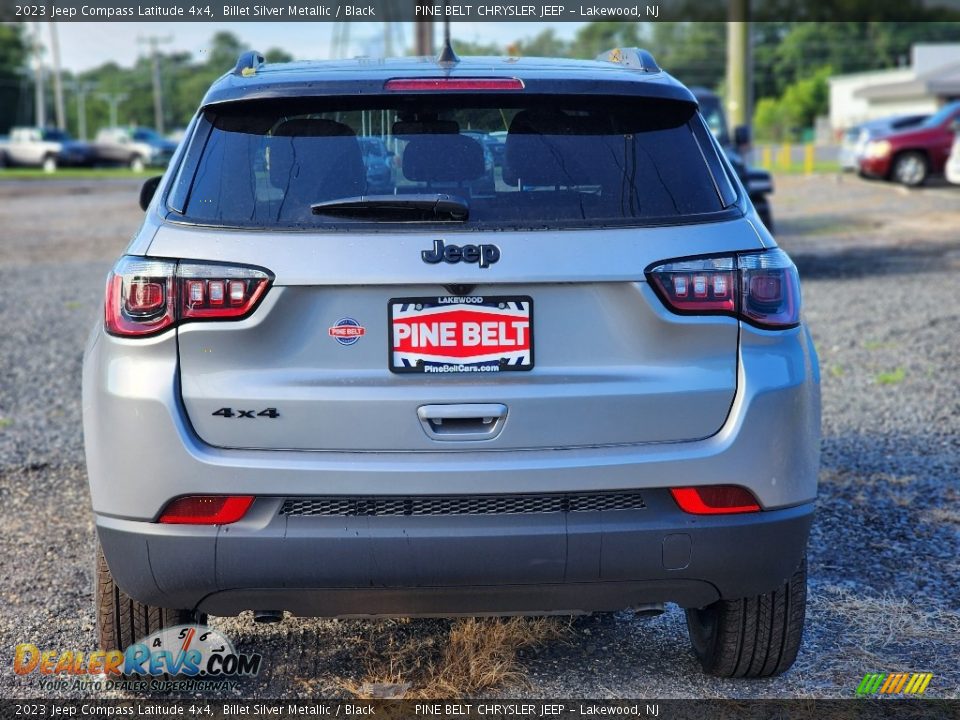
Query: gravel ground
(881, 271)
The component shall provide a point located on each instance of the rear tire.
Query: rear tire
(751, 637)
(122, 621)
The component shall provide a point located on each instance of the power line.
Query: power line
(113, 100)
(81, 89)
(154, 42)
(57, 78)
(40, 102)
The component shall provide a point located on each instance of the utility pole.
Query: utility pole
(154, 43)
(40, 104)
(81, 89)
(57, 79)
(423, 32)
(113, 100)
(340, 40)
(739, 64)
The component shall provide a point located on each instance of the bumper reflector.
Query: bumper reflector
(206, 509)
(715, 499)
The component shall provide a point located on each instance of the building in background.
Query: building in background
(932, 79)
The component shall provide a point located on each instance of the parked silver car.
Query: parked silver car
(588, 390)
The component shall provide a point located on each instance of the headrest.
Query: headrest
(550, 147)
(313, 127)
(443, 158)
(313, 160)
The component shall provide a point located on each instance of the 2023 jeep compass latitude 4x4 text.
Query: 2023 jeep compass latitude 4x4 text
(574, 381)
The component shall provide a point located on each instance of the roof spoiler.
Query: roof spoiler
(633, 58)
(248, 63)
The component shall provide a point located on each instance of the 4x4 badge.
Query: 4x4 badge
(486, 254)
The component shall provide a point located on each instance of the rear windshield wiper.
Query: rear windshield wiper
(420, 206)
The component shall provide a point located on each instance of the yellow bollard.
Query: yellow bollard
(767, 162)
(786, 156)
(808, 159)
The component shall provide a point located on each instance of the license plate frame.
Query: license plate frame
(506, 309)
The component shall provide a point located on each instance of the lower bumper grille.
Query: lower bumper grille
(460, 504)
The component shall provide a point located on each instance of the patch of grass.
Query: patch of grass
(893, 377)
(878, 345)
(75, 173)
(879, 621)
(945, 515)
(73, 305)
(867, 489)
(871, 481)
(477, 654)
(837, 371)
(820, 167)
(5, 422)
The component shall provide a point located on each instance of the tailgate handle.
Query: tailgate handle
(463, 421)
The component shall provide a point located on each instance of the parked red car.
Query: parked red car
(911, 156)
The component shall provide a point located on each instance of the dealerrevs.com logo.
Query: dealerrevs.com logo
(194, 656)
(894, 684)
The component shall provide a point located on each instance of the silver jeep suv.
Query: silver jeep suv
(576, 381)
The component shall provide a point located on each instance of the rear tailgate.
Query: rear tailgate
(610, 364)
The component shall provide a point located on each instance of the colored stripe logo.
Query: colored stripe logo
(894, 683)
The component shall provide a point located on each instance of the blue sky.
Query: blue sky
(86, 45)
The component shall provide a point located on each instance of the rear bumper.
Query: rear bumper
(468, 564)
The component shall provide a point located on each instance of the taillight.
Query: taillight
(715, 499)
(762, 288)
(147, 296)
(462, 84)
(206, 510)
(140, 297)
(219, 291)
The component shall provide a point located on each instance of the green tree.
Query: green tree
(276, 55)
(768, 120)
(467, 47)
(225, 48)
(545, 44)
(13, 62)
(694, 52)
(796, 110)
(596, 37)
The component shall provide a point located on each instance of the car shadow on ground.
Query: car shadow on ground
(865, 261)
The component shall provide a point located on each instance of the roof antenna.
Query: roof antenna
(447, 55)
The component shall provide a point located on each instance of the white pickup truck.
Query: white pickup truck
(46, 148)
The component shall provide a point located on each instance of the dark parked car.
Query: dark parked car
(759, 183)
(911, 156)
(486, 183)
(378, 161)
(498, 146)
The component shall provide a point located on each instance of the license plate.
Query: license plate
(470, 334)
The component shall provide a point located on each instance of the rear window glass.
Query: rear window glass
(516, 162)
